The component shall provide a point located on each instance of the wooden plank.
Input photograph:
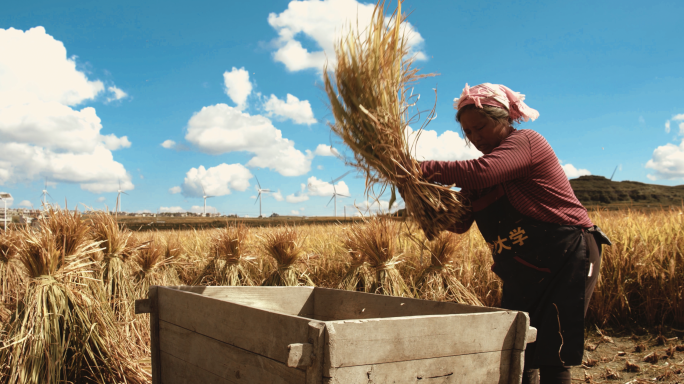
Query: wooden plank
(478, 368)
(375, 341)
(522, 324)
(153, 297)
(233, 364)
(256, 330)
(300, 355)
(335, 304)
(314, 373)
(142, 306)
(177, 371)
(296, 301)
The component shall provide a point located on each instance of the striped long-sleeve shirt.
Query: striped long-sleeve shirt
(532, 177)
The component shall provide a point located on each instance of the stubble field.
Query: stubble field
(68, 290)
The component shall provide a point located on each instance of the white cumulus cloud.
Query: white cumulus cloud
(572, 173)
(25, 203)
(237, 86)
(678, 117)
(175, 190)
(200, 209)
(667, 126)
(116, 94)
(326, 150)
(42, 135)
(220, 129)
(292, 108)
(101, 199)
(323, 22)
(171, 209)
(667, 162)
(217, 181)
(447, 146)
(168, 144)
(298, 197)
(318, 187)
(277, 195)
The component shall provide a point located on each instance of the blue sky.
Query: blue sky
(87, 100)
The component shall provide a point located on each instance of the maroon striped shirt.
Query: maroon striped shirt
(532, 177)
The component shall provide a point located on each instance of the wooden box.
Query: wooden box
(315, 335)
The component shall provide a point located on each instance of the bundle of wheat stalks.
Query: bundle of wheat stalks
(229, 259)
(375, 242)
(371, 97)
(286, 247)
(439, 281)
(62, 329)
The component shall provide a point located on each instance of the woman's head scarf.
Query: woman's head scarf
(497, 95)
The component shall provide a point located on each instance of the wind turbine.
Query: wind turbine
(335, 194)
(118, 198)
(45, 194)
(260, 192)
(204, 195)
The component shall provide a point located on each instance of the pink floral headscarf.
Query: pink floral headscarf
(497, 95)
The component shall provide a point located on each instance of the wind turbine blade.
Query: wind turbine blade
(341, 195)
(257, 179)
(257, 199)
(124, 193)
(265, 190)
(331, 199)
(340, 178)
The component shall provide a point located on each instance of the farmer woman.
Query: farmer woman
(545, 248)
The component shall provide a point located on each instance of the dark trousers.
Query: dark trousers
(559, 374)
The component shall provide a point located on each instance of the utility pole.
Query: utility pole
(4, 197)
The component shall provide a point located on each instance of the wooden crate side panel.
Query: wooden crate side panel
(226, 361)
(478, 368)
(522, 327)
(262, 332)
(177, 371)
(153, 296)
(334, 304)
(297, 301)
(376, 341)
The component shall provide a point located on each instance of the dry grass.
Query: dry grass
(641, 280)
(285, 246)
(371, 97)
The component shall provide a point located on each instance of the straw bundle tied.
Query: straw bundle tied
(117, 247)
(153, 267)
(228, 264)
(358, 276)
(11, 275)
(62, 331)
(439, 281)
(371, 96)
(285, 246)
(375, 242)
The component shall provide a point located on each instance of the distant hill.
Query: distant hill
(599, 191)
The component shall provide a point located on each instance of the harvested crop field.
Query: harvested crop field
(95, 261)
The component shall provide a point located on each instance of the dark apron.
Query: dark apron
(544, 268)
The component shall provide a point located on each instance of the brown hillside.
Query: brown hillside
(599, 191)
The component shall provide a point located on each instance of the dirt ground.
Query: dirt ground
(645, 356)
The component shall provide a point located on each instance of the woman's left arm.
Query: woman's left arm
(510, 160)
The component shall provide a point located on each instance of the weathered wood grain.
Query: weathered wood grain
(478, 368)
(296, 301)
(260, 331)
(153, 297)
(314, 373)
(335, 304)
(177, 371)
(522, 325)
(375, 341)
(226, 361)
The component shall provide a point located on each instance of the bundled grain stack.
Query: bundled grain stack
(117, 247)
(285, 247)
(439, 280)
(376, 242)
(229, 259)
(358, 276)
(61, 330)
(370, 96)
(153, 267)
(11, 275)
